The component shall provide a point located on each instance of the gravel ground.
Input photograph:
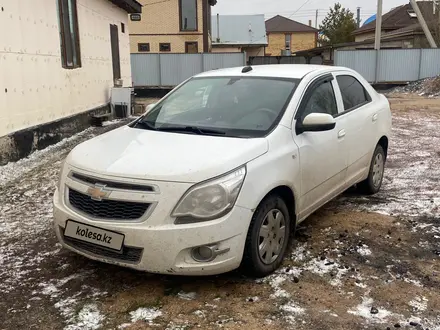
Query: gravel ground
(357, 263)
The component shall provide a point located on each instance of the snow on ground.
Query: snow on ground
(88, 318)
(372, 314)
(145, 314)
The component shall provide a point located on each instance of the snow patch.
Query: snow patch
(145, 314)
(291, 311)
(420, 304)
(187, 295)
(89, 318)
(364, 310)
(364, 250)
(275, 282)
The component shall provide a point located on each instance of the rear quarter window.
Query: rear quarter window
(353, 92)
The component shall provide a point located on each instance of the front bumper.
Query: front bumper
(156, 245)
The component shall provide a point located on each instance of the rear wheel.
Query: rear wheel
(373, 183)
(267, 238)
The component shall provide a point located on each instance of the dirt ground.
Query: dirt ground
(357, 263)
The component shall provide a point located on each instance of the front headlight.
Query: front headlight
(210, 200)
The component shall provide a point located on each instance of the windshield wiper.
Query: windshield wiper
(145, 125)
(191, 129)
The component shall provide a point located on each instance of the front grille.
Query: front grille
(107, 209)
(111, 184)
(129, 254)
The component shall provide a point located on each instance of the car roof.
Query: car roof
(295, 71)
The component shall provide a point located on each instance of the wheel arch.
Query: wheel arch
(288, 196)
(384, 142)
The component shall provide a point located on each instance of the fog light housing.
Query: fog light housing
(207, 253)
(203, 253)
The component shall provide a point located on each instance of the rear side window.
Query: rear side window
(353, 93)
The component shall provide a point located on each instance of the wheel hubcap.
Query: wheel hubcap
(378, 167)
(271, 237)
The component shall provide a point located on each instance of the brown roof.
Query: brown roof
(283, 24)
(399, 18)
(130, 6)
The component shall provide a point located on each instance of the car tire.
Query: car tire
(373, 183)
(264, 234)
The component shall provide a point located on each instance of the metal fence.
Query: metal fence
(391, 65)
(168, 70)
(260, 60)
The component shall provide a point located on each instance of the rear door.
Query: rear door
(361, 116)
(323, 158)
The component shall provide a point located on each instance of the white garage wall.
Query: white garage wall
(34, 88)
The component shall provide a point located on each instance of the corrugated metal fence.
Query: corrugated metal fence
(167, 70)
(391, 65)
(261, 60)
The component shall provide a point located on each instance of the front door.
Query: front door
(323, 155)
(116, 61)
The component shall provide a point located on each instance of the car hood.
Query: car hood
(164, 156)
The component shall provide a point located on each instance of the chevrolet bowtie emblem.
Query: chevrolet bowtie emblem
(97, 193)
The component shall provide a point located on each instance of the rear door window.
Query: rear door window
(353, 92)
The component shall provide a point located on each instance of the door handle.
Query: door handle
(375, 116)
(341, 134)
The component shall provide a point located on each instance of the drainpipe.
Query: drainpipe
(218, 27)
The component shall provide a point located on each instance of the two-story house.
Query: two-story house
(59, 60)
(286, 36)
(172, 26)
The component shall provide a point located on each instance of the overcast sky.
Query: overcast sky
(288, 7)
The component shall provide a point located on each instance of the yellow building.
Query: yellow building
(173, 26)
(286, 36)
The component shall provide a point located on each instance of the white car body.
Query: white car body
(314, 167)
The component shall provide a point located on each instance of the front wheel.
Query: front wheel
(373, 183)
(267, 238)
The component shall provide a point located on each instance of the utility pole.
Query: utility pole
(316, 19)
(359, 17)
(423, 24)
(378, 25)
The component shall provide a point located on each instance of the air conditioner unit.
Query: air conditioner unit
(122, 101)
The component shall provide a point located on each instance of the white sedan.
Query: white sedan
(218, 173)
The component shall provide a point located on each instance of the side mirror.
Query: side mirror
(149, 107)
(316, 122)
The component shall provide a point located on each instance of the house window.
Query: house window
(143, 47)
(122, 27)
(69, 34)
(191, 47)
(188, 15)
(288, 41)
(165, 47)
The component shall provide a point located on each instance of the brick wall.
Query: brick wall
(299, 41)
(160, 23)
(177, 42)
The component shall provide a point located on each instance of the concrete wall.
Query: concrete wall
(160, 23)
(299, 41)
(34, 88)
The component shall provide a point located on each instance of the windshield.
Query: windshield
(227, 106)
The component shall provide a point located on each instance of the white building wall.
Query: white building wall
(34, 88)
